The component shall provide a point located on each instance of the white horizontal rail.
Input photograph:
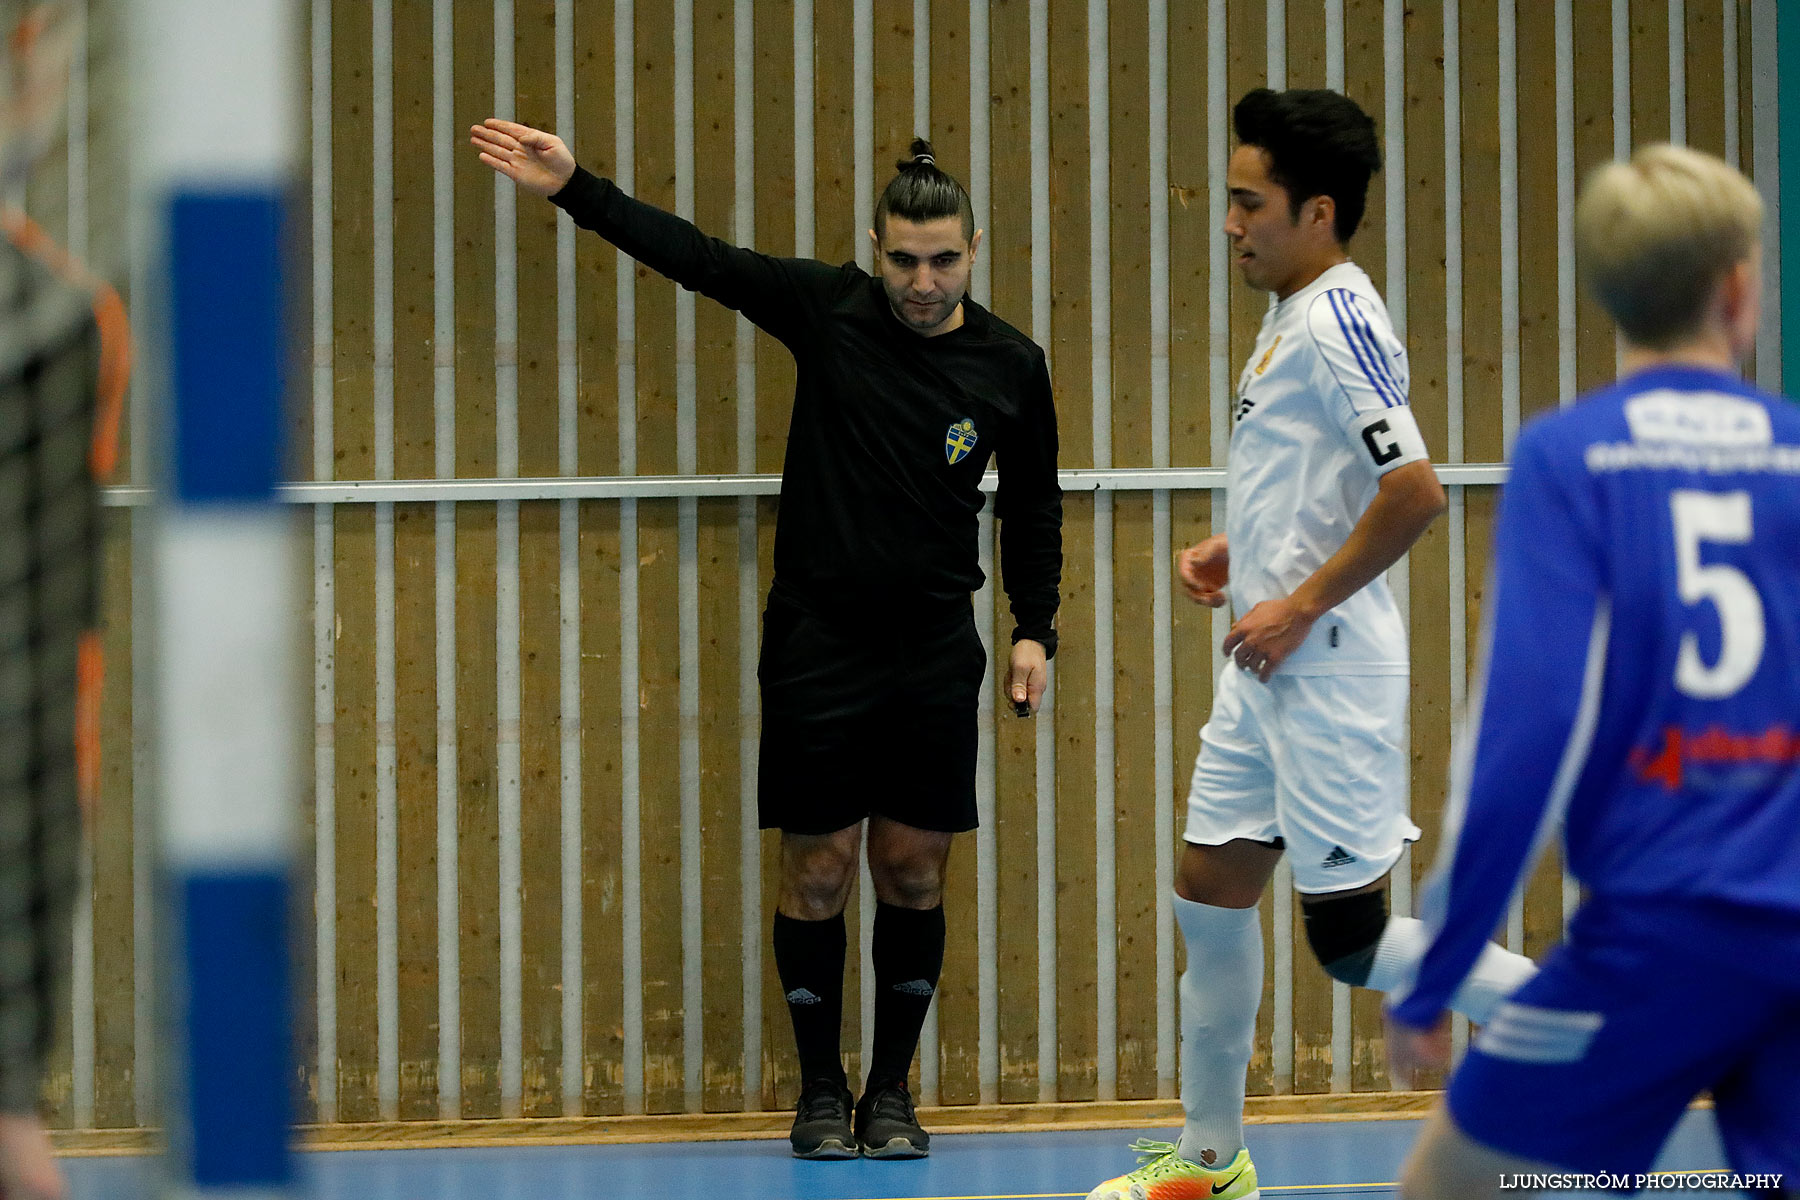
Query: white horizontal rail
(642, 487)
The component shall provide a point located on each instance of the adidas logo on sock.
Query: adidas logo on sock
(914, 987)
(802, 996)
(1339, 857)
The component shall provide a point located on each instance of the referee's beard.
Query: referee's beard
(922, 317)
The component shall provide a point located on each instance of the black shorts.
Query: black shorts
(864, 718)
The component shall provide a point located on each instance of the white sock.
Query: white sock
(1220, 992)
(1495, 976)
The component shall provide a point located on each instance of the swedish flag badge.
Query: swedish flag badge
(959, 439)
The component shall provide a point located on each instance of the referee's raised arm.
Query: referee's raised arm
(781, 295)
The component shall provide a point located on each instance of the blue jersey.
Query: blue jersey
(1642, 676)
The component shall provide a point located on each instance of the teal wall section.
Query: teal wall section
(1787, 60)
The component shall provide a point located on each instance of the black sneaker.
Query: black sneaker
(822, 1122)
(886, 1126)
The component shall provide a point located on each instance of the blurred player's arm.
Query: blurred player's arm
(1545, 656)
(1204, 569)
(781, 295)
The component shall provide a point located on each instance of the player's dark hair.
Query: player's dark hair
(923, 191)
(1319, 143)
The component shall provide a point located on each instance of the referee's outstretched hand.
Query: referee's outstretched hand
(535, 160)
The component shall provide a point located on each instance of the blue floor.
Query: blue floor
(1341, 1158)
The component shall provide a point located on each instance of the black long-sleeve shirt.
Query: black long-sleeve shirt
(880, 484)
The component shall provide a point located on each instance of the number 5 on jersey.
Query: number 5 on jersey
(1723, 518)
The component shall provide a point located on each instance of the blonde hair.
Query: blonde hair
(1654, 236)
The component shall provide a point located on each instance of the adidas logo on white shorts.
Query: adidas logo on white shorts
(1339, 857)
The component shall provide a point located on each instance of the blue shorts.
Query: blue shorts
(1592, 1061)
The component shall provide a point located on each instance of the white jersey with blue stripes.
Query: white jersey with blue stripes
(1321, 415)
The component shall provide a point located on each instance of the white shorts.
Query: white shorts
(1318, 761)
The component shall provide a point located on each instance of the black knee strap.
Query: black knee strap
(1343, 932)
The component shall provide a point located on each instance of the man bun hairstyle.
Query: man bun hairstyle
(923, 191)
(1319, 143)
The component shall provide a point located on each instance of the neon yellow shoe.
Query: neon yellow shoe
(1165, 1175)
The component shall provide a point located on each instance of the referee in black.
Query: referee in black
(871, 666)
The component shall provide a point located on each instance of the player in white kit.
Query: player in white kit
(1329, 484)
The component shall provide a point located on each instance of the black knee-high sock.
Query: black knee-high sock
(908, 949)
(809, 957)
